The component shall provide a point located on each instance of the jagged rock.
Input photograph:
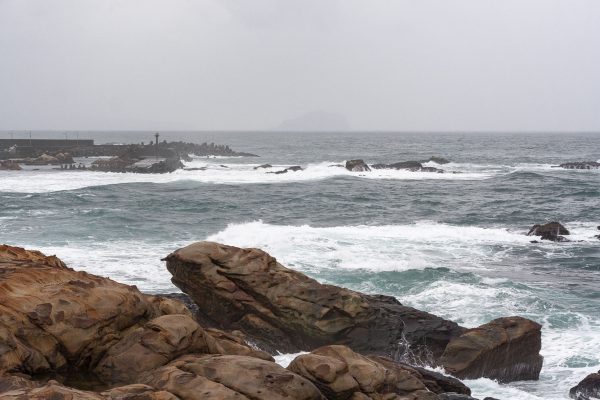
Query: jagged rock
(440, 383)
(357, 166)
(284, 310)
(550, 231)
(263, 166)
(340, 373)
(230, 377)
(506, 349)
(587, 389)
(9, 165)
(581, 165)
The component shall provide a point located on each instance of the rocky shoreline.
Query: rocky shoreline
(160, 157)
(72, 335)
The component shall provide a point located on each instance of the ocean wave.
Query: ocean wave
(207, 171)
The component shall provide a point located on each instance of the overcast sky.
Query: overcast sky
(460, 65)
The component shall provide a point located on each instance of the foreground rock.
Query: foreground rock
(505, 349)
(553, 231)
(357, 166)
(283, 310)
(340, 373)
(581, 165)
(587, 389)
(57, 321)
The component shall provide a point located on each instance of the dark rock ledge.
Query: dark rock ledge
(66, 334)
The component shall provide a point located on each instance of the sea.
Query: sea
(453, 244)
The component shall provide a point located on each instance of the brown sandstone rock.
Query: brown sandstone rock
(342, 374)
(506, 349)
(281, 309)
(54, 319)
(199, 377)
(51, 315)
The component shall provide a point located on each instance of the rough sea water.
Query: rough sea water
(450, 244)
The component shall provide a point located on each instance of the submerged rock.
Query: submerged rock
(284, 310)
(506, 349)
(357, 166)
(550, 231)
(587, 389)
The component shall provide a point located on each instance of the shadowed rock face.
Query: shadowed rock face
(587, 389)
(506, 349)
(283, 310)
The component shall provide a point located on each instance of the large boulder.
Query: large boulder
(357, 166)
(587, 389)
(283, 310)
(553, 231)
(506, 349)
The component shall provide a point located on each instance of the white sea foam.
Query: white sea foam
(285, 359)
(207, 171)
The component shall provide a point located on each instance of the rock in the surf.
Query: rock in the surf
(9, 165)
(553, 231)
(263, 166)
(293, 168)
(581, 165)
(357, 166)
(414, 166)
(284, 310)
(587, 389)
(506, 349)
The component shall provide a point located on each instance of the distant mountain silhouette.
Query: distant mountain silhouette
(315, 121)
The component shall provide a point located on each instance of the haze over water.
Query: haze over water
(452, 244)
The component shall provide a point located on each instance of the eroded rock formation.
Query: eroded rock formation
(587, 389)
(357, 166)
(284, 310)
